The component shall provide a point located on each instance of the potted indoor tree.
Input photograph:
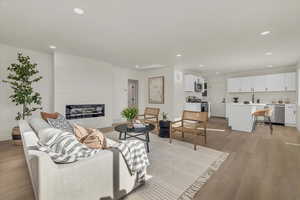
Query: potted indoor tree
(129, 114)
(22, 75)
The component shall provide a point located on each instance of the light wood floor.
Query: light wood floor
(260, 166)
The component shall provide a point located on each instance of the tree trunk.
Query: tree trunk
(23, 112)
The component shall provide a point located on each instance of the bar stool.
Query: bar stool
(266, 115)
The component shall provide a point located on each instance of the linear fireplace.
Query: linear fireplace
(85, 111)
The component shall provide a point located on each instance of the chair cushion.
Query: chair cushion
(61, 123)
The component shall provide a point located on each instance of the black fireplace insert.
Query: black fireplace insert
(85, 111)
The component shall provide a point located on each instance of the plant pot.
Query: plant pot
(16, 136)
(130, 124)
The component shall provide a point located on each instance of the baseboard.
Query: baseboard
(218, 117)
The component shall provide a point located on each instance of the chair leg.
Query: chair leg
(195, 146)
(270, 124)
(254, 125)
(170, 138)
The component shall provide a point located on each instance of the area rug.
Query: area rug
(176, 170)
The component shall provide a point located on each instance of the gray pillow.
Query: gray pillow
(38, 124)
(61, 123)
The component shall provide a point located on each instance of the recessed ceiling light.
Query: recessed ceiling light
(265, 33)
(52, 47)
(78, 11)
(201, 65)
(137, 66)
(217, 72)
(270, 66)
(178, 55)
(269, 53)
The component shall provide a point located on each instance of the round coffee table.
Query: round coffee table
(135, 133)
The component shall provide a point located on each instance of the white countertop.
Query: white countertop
(250, 104)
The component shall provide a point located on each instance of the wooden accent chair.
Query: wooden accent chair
(266, 115)
(150, 115)
(191, 122)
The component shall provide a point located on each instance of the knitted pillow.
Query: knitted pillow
(92, 138)
(61, 123)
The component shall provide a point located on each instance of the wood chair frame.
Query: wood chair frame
(150, 115)
(198, 119)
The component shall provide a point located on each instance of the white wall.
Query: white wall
(298, 98)
(8, 55)
(168, 73)
(120, 90)
(81, 80)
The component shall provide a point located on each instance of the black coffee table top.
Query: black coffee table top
(123, 128)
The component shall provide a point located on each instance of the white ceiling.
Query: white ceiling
(221, 34)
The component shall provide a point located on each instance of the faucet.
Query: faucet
(252, 96)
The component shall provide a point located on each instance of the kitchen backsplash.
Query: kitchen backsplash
(265, 97)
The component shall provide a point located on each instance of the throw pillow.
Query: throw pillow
(46, 115)
(80, 132)
(91, 137)
(61, 123)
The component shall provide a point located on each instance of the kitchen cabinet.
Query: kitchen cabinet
(290, 114)
(264, 83)
(290, 81)
(234, 85)
(259, 83)
(275, 82)
(189, 83)
(246, 84)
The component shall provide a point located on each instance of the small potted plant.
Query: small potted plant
(165, 116)
(129, 114)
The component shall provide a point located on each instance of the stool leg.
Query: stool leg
(254, 124)
(270, 124)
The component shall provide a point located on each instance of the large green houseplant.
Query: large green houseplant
(22, 75)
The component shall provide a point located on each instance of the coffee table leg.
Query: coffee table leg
(125, 135)
(120, 135)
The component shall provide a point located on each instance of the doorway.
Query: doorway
(133, 93)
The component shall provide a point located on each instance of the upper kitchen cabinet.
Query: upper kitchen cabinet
(246, 84)
(234, 85)
(290, 81)
(264, 83)
(189, 82)
(193, 83)
(259, 83)
(275, 82)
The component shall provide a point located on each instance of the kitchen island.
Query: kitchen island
(240, 115)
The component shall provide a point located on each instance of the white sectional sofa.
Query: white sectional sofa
(102, 177)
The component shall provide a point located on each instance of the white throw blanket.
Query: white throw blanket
(63, 147)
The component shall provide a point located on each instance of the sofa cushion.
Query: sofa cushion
(61, 123)
(38, 124)
(46, 115)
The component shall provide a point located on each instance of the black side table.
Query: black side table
(164, 128)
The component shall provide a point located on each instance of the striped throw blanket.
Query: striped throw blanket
(63, 147)
(134, 153)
